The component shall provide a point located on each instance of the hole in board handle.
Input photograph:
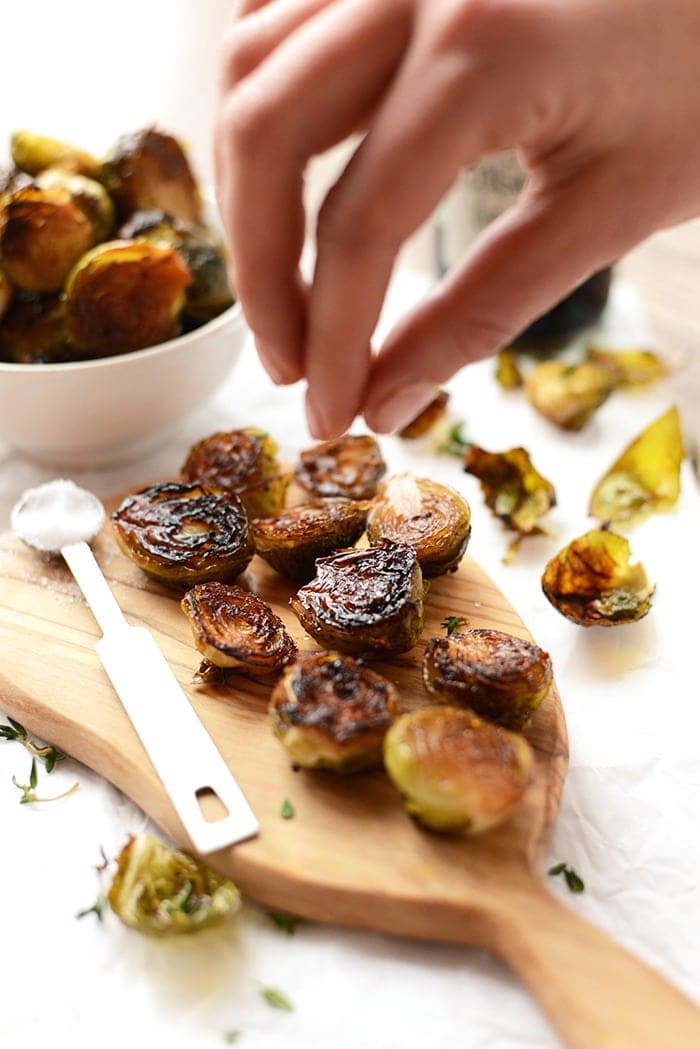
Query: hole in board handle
(212, 807)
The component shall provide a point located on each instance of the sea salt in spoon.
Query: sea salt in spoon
(61, 518)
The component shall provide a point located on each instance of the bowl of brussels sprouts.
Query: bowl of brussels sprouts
(116, 315)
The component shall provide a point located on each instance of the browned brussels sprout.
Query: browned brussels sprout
(123, 296)
(243, 462)
(43, 233)
(364, 601)
(592, 583)
(91, 197)
(182, 534)
(331, 712)
(508, 374)
(502, 678)
(457, 773)
(6, 293)
(350, 467)
(428, 418)
(645, 478)
(512, 487)
(432, 518)
(34, 153)
(235, 630)
(628, 367)
(34, 331)
(158, 891)
(568, 394)
(292, 540)
(149, 169)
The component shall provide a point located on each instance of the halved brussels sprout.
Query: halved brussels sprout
(568, 394)
(43, 233)
(6, 294)
(508, 374)
(123, 296)
(235, 630)
(500, 677)
(292, 540)
(432, 518)
(243, 462)
(428, 418)
(34, 153)
(628, 367)
(645, 478)
(149, 169)
(592, 583)
(331, 712)
(350, 467)
(91, 197)
(364, 601)
(512, 487)
(157, 890)
(182, 534)
(34, 330)
(457, 773)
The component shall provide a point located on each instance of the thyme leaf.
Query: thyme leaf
(450, 624)
(14, 732)
(276, 1000)
(284, 922)
(574, 882)
(286, 809)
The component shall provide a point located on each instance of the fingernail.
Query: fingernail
(274, 364)
(401, 406)
(317, 426)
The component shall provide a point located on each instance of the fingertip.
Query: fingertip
(283, 366)
(388, 412)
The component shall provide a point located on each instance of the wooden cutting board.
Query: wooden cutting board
(350, 856)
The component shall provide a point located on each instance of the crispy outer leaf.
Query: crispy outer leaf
(628, 367)
(512, 487)
(646, 477)
(508, 373)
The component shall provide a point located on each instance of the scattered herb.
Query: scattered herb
(284, 922)
(98, 908)
(99, 867)
(17, 733)
(276, 1000)
(572, 879)
(28, 795)
(455, 442)
(231, 1037)
(450, 623)
(286, 809)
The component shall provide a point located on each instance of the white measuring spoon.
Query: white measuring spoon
(60, 517)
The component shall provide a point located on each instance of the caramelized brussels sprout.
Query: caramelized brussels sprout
(432, 518)
(182, 534)
(157, 890)
(349, 467)
(34, 331)
(43, 233)
(628, 367)
(123, 296)
(512, 487)
(91, 197)
(456, 772)
(34, 153)
(234, 629)
(568, 394)
(500, 677)
(508, 374)
(243, 462)
(645, 478)
(5, 294)
(292, 541)
(149, 169)
(428, 418)
(331, 712)
(364, 601)
(592, 583)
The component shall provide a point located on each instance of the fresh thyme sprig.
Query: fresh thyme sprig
(16, 733)
(575, 883)
(98, 908)
(28, 789)
(455, 443)
(450, 624)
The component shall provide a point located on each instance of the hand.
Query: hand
(600, 97)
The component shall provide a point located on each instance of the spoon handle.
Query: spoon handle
(88, 575)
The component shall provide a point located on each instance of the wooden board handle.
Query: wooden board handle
(596, 994)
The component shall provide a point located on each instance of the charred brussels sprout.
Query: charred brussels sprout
(244, 463)
(43, 233)
(628, 367)
(5, 294)
(92, 198)
(182, 534)
(34, 330)
(512, 487)
(592, 583)
(568, 394)
(34, 153)
(331, 712)
(500, 677)
(456, 772)
(149, 169)
(235, 630)
(432, 518)
(350, 467)
(431, 415)
(157, 890)
(124, 296)
(364, 601)
(645, 478)
(292, 541)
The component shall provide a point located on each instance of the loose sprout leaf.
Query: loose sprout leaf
(592, 582)
(508, 374)
(512, 487)
(645, 478)
(628, 367)
(276, 999)
(286, 809)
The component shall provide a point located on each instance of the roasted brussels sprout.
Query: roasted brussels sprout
(34, 153)
(331, 712)
(182, 534)
(508, 374)
(350, 467)
(91, 197)
(243, 462)
(568, 394)
(5, 294)
(292, 540)
(592, 583)
(645, 478)
(456, 772)
(149, 169)
(34, 331)
(512, 487)
(159, 891)
(235, 630)
(124, 295)
(432, 518)
(500, 677)
(628, 367)
(428, 418)
(43, 233)
(364, 601)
